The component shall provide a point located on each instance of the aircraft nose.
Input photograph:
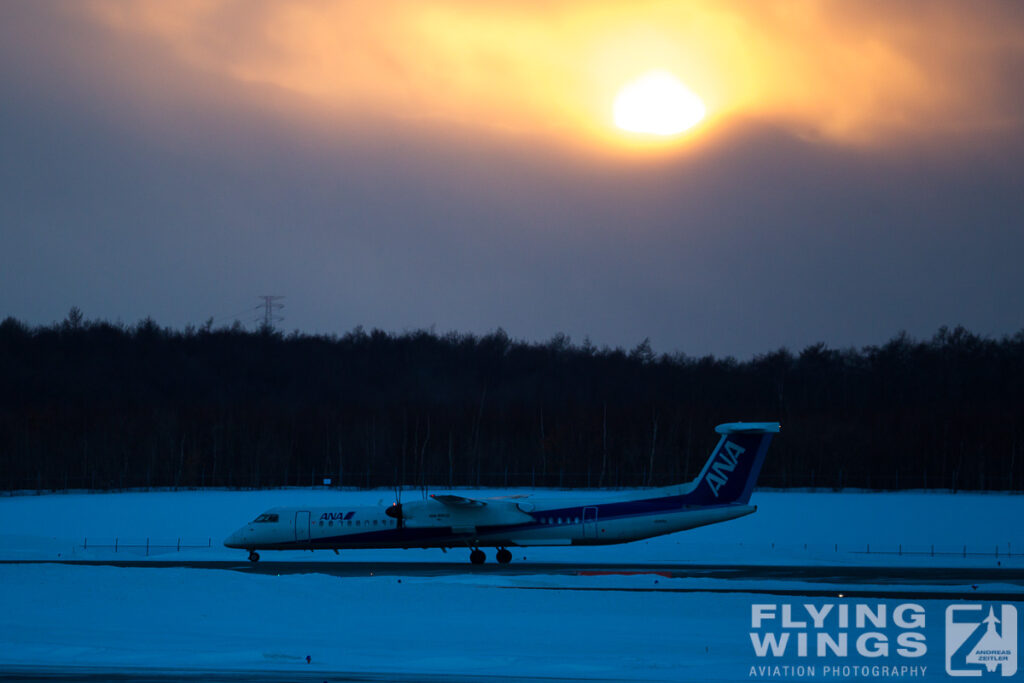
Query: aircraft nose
(236, 540)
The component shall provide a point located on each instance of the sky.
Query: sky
(457, 166)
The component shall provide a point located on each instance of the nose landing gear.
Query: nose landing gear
(254, 556)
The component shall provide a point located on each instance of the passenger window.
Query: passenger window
(350, 522)
(375, 522)
(330, 523)
(357, 522)
(577, 520)
(321, 522)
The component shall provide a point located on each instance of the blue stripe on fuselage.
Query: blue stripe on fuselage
(434, 535)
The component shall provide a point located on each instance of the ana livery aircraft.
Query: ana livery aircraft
(719, 493)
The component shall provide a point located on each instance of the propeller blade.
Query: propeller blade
(395, 511)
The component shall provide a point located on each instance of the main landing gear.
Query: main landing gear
(254, 556)
(504, 556)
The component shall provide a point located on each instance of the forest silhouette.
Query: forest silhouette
(96, 405)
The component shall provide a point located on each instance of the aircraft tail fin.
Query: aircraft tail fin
(732, 470)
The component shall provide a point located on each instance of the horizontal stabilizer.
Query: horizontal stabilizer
(748, 428)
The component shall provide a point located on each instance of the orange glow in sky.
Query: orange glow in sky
(847, 73)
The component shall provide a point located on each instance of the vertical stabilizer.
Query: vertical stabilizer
(732, 470)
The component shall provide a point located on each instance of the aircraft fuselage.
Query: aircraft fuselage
(551, 524)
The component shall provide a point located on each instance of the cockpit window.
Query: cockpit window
(265, 518)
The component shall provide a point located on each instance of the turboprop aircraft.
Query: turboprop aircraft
(720, 492)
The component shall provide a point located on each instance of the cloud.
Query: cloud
(405, 164)
(850, 72)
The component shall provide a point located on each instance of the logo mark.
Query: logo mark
(723, 465)
(336, 515)
(981, 640)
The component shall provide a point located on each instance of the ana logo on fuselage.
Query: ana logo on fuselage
(722, 466)
(327, 516)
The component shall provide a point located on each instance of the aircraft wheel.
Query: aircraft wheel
(254, 556)
(477, 556)
(504, 555)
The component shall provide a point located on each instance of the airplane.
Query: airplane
(719, 493)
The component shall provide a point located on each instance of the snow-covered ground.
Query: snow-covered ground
(463, 623)
(225, 620)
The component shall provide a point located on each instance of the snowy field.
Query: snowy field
(635, 627)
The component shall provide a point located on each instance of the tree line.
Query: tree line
(96, 405)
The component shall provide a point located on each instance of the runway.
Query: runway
(829, 573)
(635, 591)
(836, 580)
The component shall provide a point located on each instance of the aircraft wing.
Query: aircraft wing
(458, 501)
(445, 509)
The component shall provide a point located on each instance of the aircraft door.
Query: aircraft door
(302, 525)
(590, 522)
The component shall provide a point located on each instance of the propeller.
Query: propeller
(395, 510)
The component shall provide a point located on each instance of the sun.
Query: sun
(657, 103)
